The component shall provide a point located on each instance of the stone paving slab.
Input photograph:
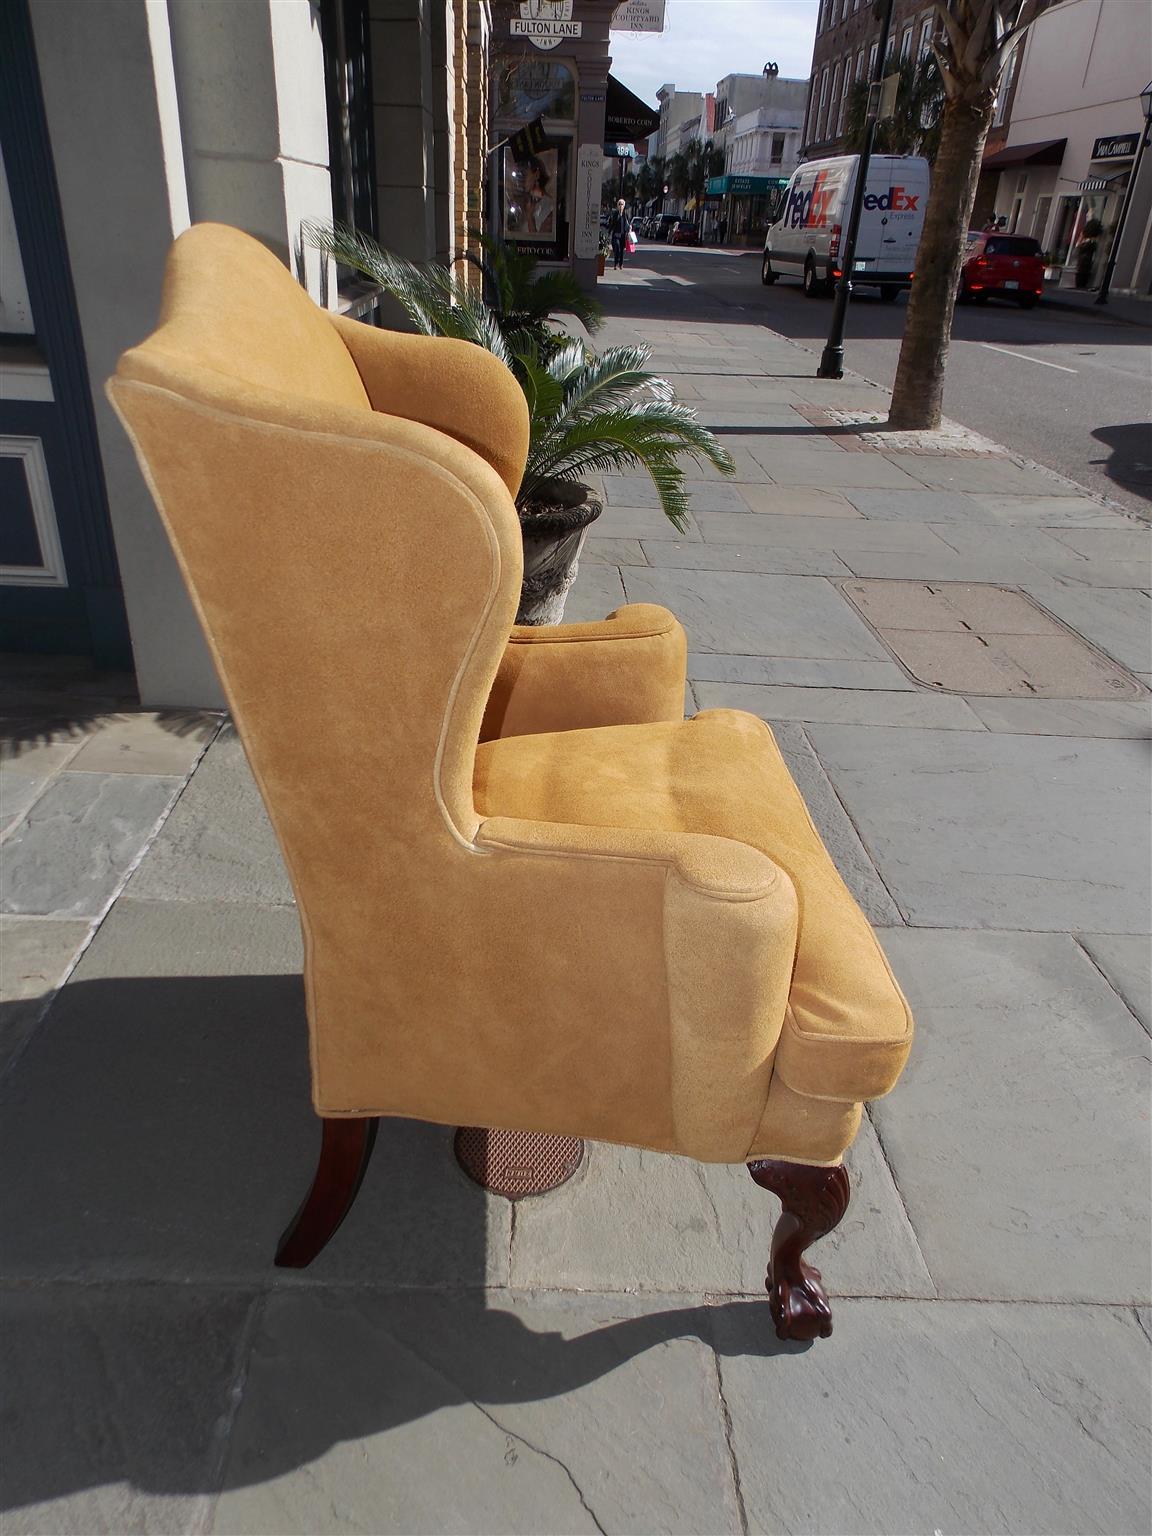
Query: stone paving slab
(766, 557)
(167, 742)
(1119, 622)
(176, 1058)
(1106, 544)
(637, 523)
(218, 844)
(19, 792)
(76, 844)
(1065, 717)
(1019, 1132)
(944, 1418)
(643, 1221)
(598, 591)
(534, 1414)
(985, 830)
(36, 953)
(730, 611)
(713, 667)
(850, 706)
(1127, 963)
(797, 501)
(837, 471)
(840, 836)
(611, 551)
(114, 1401)
(1050, 511)
(940, 565)
(639, 491)
(918, 506)
(841, 535)
(992, 476)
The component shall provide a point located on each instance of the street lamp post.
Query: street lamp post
(1106, 284)
(832, 358)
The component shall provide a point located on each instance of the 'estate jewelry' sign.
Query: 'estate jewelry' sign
(546, 22)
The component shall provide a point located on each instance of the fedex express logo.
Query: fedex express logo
(895, 200)
(810, 210)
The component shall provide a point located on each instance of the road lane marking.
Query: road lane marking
(1024, 358)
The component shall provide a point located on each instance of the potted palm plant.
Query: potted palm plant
(588, 414)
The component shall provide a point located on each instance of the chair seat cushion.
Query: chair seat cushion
(848, 1028)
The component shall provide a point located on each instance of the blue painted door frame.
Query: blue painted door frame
(86, 616)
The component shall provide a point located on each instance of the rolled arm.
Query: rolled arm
(629, 669)
(728, 942)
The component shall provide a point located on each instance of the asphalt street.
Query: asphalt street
(1070, 391)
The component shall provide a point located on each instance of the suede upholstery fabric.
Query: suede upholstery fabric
(629, 669)
(597, 927)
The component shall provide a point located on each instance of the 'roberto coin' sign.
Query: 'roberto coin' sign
(546, 22)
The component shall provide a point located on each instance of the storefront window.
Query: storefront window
(534, 203)
(535, 87)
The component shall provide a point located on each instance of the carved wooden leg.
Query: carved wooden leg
(345, 1148)
(814, 1201)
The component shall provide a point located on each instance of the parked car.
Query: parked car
(804, 241)
(665, 224)
(1007, 266)
(684, 234)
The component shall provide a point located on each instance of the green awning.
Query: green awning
(745, 186)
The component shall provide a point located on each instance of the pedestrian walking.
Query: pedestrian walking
(723, 230)
(618, 229)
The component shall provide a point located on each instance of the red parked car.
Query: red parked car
(684, 234)
(1008, 266)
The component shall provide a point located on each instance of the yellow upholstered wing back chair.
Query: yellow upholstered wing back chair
(532, 895)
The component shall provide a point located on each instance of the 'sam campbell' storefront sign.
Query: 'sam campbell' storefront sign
(546, 22)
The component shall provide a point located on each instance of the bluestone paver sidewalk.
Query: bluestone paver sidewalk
(599, 1359)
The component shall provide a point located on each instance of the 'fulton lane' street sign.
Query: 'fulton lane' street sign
(545, 22)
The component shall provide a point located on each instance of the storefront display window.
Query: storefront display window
(530, 87)
(534, 192)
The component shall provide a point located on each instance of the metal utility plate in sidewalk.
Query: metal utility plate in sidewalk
(976, 639)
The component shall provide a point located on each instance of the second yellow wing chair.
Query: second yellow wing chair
(533, 895)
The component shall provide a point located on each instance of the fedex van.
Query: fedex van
(805, 240)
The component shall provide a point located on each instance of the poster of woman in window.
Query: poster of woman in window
(530, 196)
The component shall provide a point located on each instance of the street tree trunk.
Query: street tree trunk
(917, 394)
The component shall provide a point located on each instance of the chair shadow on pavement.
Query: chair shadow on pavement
(159, 1136)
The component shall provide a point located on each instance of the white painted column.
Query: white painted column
(110, 101)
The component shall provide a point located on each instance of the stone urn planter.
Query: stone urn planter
(554, 525)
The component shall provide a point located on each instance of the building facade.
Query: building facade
(1060, 165)
(121, 123)
(847, 40)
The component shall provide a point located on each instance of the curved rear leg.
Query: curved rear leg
(814, 1201)
(345, 1148)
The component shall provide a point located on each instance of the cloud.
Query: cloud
(704, 40)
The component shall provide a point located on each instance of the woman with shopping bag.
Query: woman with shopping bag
(619, 227)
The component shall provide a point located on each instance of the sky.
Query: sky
(704, 40)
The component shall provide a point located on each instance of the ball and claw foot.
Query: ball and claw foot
(814, 1201)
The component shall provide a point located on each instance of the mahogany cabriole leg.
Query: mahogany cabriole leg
(814, 1201)
(345, 1147)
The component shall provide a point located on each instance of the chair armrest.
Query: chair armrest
(629, 669)
(722, 931)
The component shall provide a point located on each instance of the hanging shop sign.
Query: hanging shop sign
(546, 23)
(1118, 146)
(638, 16)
